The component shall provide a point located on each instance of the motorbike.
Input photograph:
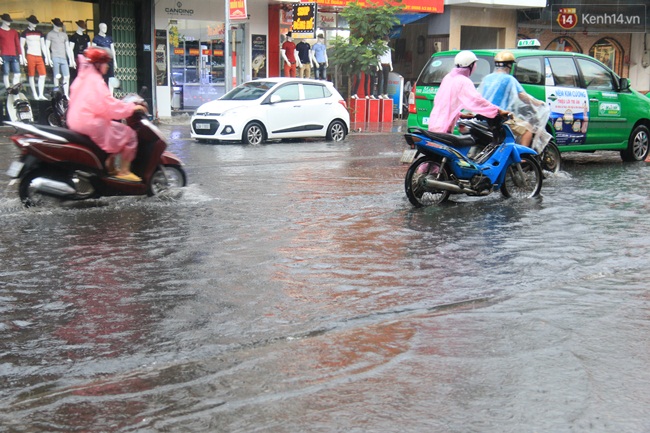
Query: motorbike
(58, 164)
(59, 106)
(484, 159)
(18, 107)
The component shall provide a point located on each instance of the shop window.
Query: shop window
(564, 43)
(608, 52)
(529, 70)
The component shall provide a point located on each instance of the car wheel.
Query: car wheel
(336, 131)
(253, 134)
(637, 145)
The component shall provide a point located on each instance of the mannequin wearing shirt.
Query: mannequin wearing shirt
(12, 53)
(289, 56)
(34, 54)
(60, 54)
(79, 41)
(319, 51)
(105, 41)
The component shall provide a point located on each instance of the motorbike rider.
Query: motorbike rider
(457, 92)
(92, 109)
(503, 90)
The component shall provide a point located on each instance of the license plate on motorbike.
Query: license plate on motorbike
(15, 168)
(26, 115)
(202, 126)
(407, 156)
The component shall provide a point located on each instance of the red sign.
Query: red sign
(238, 10)
(567, 18)
(426, 6)
(179, 51)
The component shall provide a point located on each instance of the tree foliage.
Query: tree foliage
(368, 26)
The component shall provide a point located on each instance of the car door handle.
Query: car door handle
(593, 99)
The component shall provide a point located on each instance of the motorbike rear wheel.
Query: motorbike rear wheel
(173, 177)
(30, 196)
(416, 191)
(525, 183)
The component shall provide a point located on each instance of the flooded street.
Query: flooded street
(293, 288)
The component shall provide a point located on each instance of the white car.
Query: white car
(273, 108)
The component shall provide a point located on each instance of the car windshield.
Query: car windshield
(248, 91)
(438, 67)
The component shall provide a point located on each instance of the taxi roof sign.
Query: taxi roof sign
(528, 43)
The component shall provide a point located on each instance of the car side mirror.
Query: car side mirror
(623, 84)
(275, 99)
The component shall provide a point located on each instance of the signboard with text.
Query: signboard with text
(304, 20)
(427, 6)
(238, 10)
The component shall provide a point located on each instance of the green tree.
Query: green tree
(368, 26)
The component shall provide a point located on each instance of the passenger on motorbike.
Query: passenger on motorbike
(92, 111)
(503, 90)
(457, 92)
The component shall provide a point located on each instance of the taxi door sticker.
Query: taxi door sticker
(569, 114)
(609, 109)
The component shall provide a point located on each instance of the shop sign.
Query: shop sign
(304, 15)
(258, 56)
(193, 51)
(179, 51)
(238, 10)
(326, 20)
(427, 6)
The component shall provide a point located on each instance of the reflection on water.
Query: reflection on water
(293, 288)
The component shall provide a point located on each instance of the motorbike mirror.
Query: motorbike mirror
(114, 82)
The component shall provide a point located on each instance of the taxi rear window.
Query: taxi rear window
(437, 67)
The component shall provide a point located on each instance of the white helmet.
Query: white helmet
(464, 59)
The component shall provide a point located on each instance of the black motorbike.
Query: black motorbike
(56, 112)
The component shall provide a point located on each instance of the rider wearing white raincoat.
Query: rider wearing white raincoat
(531, 115)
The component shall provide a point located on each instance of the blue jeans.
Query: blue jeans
(321, 72)
(10, 64)
(60, 66)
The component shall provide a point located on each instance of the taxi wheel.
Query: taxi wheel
(638, 145)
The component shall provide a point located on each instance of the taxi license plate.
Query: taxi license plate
(408, 155)
(15, 168)
(25, 115)
(202, 126)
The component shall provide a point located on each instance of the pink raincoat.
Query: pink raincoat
(457, 92)
(91, 111)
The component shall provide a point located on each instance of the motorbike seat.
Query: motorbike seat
(448, 139)
(75, 137)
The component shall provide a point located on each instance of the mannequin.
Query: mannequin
(79, 41)
(103, 40)
(12, 53)
(60, 55)
(289, 55)
(384, 67)
(321, 63)
(34, 54)
(305, 56)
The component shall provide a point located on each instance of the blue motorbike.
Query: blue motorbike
(484, 159)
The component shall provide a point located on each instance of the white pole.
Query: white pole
(226, 51)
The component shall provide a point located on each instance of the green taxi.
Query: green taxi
(591, 107)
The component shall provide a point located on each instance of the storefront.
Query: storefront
(191, 56)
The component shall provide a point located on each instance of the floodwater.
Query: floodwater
(293, 288)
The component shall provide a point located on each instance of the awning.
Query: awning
(405, 19)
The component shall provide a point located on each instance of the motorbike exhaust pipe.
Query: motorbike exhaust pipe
(54, 187)
(445, 186)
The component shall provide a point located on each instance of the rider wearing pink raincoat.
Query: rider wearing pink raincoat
(457, 92)
(92, 110)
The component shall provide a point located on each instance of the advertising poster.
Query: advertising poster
(569, 114)
(258, 56)
(161, 57)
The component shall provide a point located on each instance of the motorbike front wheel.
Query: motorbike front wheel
(523, 180)
(173, 177)
(416, 191)
(550, 158)
(53, 119)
